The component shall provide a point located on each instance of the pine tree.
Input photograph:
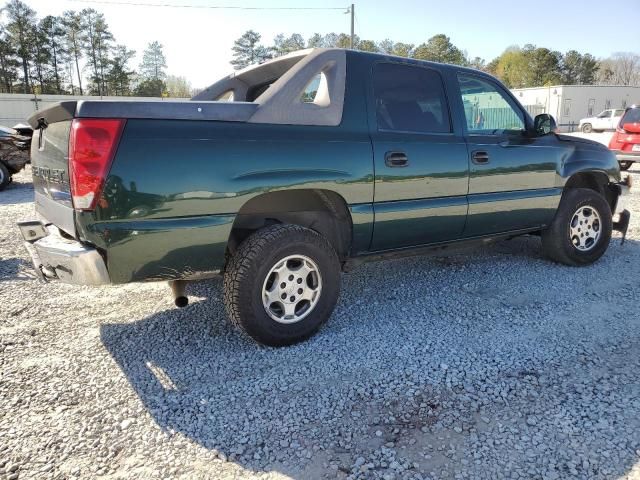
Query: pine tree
(53, 32)
(8, 63)
(247, 50)
(119, 76)
(96, 42)
(21, 28)
(153, 63)
(73, 39)
(284, 45)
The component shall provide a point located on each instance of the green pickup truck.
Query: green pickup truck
(281, 175)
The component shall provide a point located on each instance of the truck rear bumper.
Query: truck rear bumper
(57, 258)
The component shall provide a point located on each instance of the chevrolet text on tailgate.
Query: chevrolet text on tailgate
(282, 174)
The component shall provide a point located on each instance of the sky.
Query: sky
(198, 41)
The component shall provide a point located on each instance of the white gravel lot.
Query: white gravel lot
(495, 364)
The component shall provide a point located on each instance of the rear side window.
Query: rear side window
(410, 99)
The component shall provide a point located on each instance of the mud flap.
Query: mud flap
(622, 224)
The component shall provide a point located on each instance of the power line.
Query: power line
(213, 7)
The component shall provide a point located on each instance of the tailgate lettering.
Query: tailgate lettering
(53, 175)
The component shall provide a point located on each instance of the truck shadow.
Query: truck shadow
(291, 410)
(12, 269)
(17, 192)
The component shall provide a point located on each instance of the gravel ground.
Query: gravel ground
(495, 364)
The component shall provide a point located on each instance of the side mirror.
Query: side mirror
(544, 124)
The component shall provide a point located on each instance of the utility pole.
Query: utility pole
(353, 13)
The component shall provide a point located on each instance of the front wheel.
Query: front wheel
(282, 284)
(581, 230)
(587, 128)
(625, 165)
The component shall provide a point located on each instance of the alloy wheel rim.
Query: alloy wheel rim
(585, 228)
(291, 289)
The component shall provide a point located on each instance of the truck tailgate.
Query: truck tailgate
(50, 165)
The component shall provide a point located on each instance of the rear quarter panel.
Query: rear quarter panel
(174, 188)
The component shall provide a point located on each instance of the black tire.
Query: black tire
(5, 176)
(247, 272)
(587, 128)
(556, 240)
(625, 165)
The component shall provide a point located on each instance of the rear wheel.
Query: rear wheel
(5, 176)
(282, 284)
(625, 165)
(581, 230)
(587, 128)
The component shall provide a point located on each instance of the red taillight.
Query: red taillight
(92, 143)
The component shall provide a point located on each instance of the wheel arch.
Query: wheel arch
(323, 211)
(593, 180)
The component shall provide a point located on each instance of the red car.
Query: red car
(626, 141)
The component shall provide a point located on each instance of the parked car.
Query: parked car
(323, 159)
(626, 141)
(26, 131)
(606, 120)
(14, 154)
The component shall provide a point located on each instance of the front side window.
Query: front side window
(410, 99)
(605, 114)
(487, 109)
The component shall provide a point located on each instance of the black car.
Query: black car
(14, 153)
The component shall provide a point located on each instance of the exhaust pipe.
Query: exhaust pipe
(177, 289)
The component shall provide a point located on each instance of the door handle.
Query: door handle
(480, 157)
(396, 159)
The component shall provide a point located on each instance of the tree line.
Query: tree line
(517, 67)
(76, 53)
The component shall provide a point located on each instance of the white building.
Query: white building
(569, 103)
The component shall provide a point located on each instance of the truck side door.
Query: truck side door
(421, 163)
(512, 174)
